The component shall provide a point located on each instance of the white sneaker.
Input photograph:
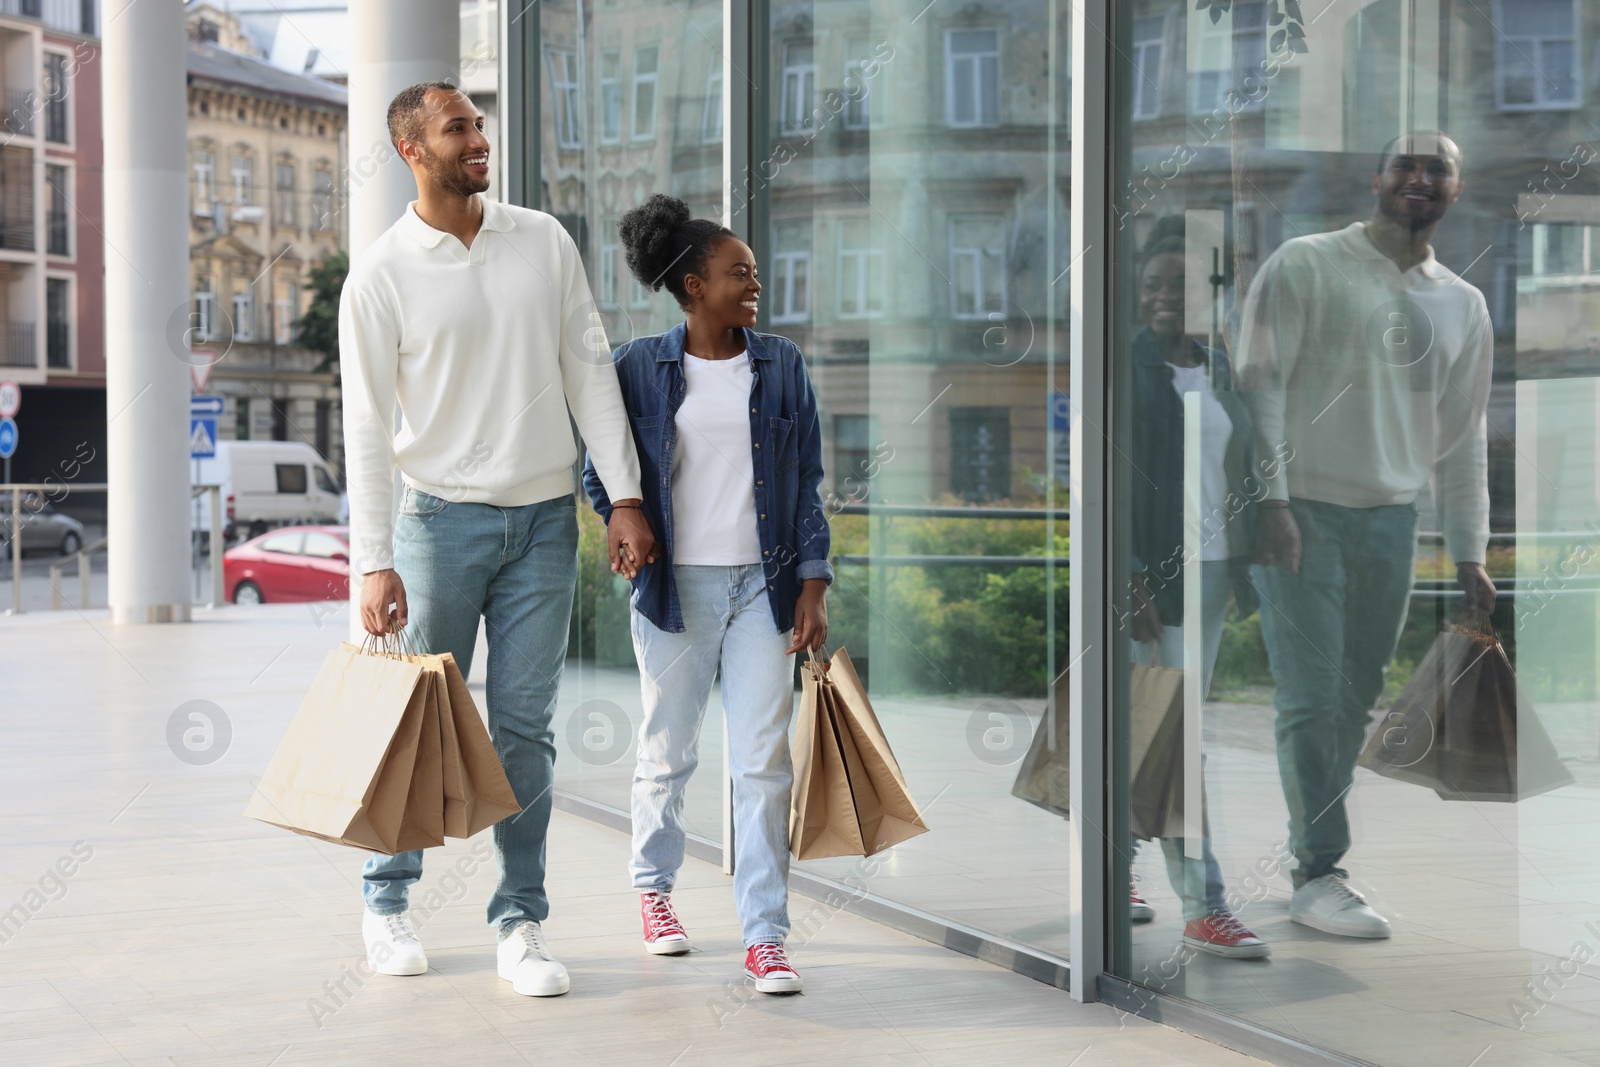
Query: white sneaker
(392, 945)
(525, 961)
(1330, 905)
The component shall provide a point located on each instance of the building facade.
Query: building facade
(266, 172)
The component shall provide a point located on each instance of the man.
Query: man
(476, 319)
(1367, 365)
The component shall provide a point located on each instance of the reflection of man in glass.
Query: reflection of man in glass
(1367, 364)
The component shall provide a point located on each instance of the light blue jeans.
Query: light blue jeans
(727, 624)
(1198, 882)
(516, 568)
(1330, 632)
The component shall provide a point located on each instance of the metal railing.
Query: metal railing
(20, 349)
(19, 112)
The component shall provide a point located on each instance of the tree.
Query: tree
(318, 328)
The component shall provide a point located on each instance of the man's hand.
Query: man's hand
(629, 540)
(1146, 620)
(1477, 586)
(810, 617)
(1277, 538)
(380, 590)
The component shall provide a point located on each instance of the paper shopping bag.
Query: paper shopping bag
(1155, 751)
(1044, 779)
(850, 797)
(477, 793)
(1463, 728)
(347, 769)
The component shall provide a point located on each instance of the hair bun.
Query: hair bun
(646, 234)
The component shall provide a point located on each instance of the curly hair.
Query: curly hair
(664, 245)
(405, 110)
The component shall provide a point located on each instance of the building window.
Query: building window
(980, 454)
(480, 33)
(322, 199)
(972, 78)
(243, 172)
(711, 118)
(646, 76)
(858, 86)
(607, 294)
(790, 287)
(1147, 39)
(799, 88)
(977, 266)
(55, 88)
(853, 437)
(283, 210)
(1230, 57)
(243, 316)
(324, 443)
(1536, 59)
(205, 184)
(610, 97)
(1561, 254)
(861, 270)
(58, 323)
(58, 243)
(203, 321)
(564, 98)
(282, 316)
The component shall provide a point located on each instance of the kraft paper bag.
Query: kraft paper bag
(345, 769)
(477, 793)
(1155, 751)
(1045, 778)
(1463, 728)
(850, 797)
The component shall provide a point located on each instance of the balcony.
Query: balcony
(19, 350)
(18, 119)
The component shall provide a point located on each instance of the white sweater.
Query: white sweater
(486, 350)
(1376, 379)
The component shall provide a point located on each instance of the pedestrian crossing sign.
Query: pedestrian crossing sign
(202, 438)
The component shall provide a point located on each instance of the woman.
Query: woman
(726, 426)
(1166, 365)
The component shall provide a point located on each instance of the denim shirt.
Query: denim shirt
(786, 462)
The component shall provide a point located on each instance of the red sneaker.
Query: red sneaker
(663, 933)
(1221, 934)
(1138, 910)
(771, 969)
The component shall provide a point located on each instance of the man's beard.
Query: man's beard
(449, 174)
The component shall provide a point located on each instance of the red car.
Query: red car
(294, 563)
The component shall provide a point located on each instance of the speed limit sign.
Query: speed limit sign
(10, 399)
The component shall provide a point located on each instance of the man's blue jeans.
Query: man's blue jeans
(1330, 632)
(516, 568)
(728, 624)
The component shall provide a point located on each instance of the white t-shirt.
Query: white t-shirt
(1216, 429)
(713, 473)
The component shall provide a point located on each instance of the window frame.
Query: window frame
(606, 275)
(857, 111)
(285, 208)
(69, 281)
(872, 262)
(1145, 90)
(1232, 71)
(1506, 37)
(566, 98)
(205, 312)
(640, 80)
(68, 177)
(979, 313)
(610, 91)
(711, 131)
(795, 110)
(243, 322)
(323, 220)
(950, 79)
(205, 183)
(68, 126)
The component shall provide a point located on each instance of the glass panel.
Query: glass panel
(653, 74)
(1354, 525)
(935, 339)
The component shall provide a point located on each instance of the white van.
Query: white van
(265, 484)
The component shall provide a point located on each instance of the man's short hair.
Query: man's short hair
(406, 117)
(1437, 143)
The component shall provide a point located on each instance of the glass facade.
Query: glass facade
(1337, 461)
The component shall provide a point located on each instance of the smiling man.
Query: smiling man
(475, 319)
(1366, 363)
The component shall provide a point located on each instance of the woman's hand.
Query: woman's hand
(629, 540)
(1146, 620)
(810, 616)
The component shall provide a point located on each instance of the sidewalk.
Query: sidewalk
(187, 936)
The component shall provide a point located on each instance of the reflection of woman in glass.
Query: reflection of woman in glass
(1166, 365)
(726, 426)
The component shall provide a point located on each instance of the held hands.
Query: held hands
(1277, 538)
(383, 602)
(629, 540)
(810, 617)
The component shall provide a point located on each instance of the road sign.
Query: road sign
(8, 438)
(10, 399)
(200, 373)
(205, 406)
(1060, 412)
(202, 438)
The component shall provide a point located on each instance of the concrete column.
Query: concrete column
(143, 98)
(394, 43)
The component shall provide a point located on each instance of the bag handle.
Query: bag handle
(1475, 622)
